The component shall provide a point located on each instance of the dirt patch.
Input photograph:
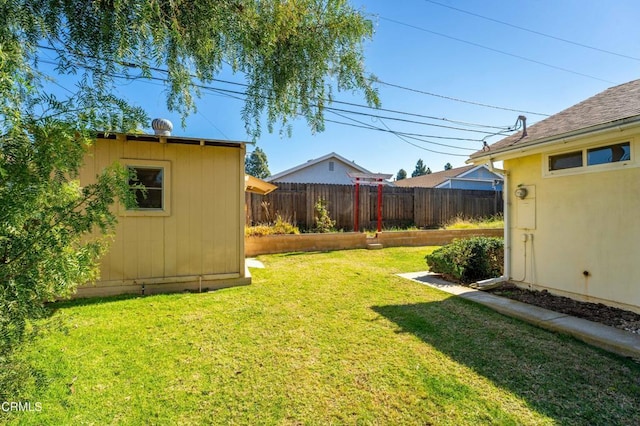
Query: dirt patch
(597, 312)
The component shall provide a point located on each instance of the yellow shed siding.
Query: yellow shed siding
(200, 243)
(584, 222)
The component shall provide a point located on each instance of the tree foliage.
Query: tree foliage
(256, 164)
(402, 174)
(420, 169)
(448, 166)
(293, 55)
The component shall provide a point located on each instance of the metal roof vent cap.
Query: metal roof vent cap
(162, 127)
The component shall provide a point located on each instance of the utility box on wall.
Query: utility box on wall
(525, 196)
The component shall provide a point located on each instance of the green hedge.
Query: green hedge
(469, 260)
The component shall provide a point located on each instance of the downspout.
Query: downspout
(495, 282)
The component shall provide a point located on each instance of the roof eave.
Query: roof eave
(529, 147)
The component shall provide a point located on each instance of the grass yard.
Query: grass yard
(319, 338)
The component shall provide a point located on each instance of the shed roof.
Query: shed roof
(610, 107)
(171, 139)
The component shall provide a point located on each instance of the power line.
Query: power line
(575, 43)
(397, 86)
(423, 148)
(400, 136)
(496, 50)
(463, 123)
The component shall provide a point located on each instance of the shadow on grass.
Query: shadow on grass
(556, 375)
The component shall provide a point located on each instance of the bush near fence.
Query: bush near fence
(401, 207)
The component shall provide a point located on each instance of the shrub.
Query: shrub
(461, 222)
(323, 220)
(469, 260)
(280, 226)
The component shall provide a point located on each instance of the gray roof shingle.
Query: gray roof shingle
(614, 104)
(432, 179)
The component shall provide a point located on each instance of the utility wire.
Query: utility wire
(398, 135)
(463, 123)
(496, 50)
(238, 95)
(423, 148)
(575, 43)
(397, 86)
(234, 94)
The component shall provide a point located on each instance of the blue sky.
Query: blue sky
(429, 46)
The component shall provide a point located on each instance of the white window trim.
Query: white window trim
(166, 188)
(596, 168)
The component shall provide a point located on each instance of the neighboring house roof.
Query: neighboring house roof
(433, 180)
(614, 106)
(331, 156)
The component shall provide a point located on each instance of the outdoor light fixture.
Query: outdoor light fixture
(521, 193)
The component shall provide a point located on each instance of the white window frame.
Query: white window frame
(166, 187)
(595, 168)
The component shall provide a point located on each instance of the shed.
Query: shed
(188, 233)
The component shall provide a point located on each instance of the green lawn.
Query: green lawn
(320, 338)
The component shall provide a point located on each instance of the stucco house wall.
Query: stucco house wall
(572, 193)
(582, 239)
(196, 241)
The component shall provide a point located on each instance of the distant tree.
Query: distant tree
(402, 174)
(256, 164)
(420, 169)
(448, 166)
(428, 172)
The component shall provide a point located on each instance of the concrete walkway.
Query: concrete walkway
(609, 338)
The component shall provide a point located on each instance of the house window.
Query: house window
(152, 178)
(332, 166)
(567, 160)
(155, 176)
(590, 159)
(608, 154)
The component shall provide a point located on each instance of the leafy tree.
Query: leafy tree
(402, 174)
(420, 169)
(428, 172)
(448, 166)
(292, 54)
(256, 164)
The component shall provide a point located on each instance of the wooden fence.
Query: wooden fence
(401, 207)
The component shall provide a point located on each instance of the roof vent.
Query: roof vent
(162, 127)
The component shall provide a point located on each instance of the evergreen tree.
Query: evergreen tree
(256, 164)
(402, 174)
(428, 172)
(420, 169)
(448, 166)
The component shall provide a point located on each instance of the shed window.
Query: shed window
(608, 154)
(155, 176)
(152, 178)
(332, 166)
(567, 160)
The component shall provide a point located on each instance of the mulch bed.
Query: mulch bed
(597, 312)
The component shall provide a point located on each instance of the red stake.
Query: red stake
(357, 209)
(379, 205)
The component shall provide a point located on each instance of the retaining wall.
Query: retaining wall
(270, 244)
